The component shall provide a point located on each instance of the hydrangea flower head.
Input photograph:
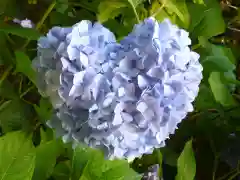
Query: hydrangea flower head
(156, 83)
(124, 98)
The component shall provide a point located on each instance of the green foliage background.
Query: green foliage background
(206, 145)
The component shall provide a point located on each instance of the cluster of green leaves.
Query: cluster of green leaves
(20, 159)
(29, 150)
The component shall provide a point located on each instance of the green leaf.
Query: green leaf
(10, 121)
(27, 33)
(134, 4)
(44, 110)
(217, 63)
(7, 90)
(217, 58)
(205, 99)
(178, 7)
(186, 163)
(3, 5)
(162, 14)
(89, 164)
(219, 90)
(196, 12)
(46, 155)
(217, 50)
(46, 135)
(113, 9)
(199, 1)
(8, 7)
(91, 6)
(118, 28)
(80, 158)
(61, 5)
(169, 156)
(24, 66)
(160, 160)
(17, 157)
(57, 18)
(207, 20)
(118, 170)
(6, 56)
(62, 170)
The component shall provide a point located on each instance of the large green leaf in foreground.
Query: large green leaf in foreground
(89, 164)
(17, 157)
(186, 163)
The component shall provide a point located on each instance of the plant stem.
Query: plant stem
(226, 175)
(135, 12)
(25, 92)
(234, 29)
(20, 85)
(5, 104)
(5, 74)
(234, 175)
(46, 14)
(159, 9)
(10, 40)
(231, 6)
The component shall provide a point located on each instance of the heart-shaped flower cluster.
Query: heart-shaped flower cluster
(124, 98)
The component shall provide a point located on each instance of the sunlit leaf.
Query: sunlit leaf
(46, 135)
(118, 170)
(160, 13)
(46, 155)
(134, 4)
(116, 7)
(80, 159)
(199, 1)
(113, 9)
(179, 8)
(186, 163)
(89, 164)
(17, 157)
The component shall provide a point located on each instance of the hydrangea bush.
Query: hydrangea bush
(98, 89)
(124, 98)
